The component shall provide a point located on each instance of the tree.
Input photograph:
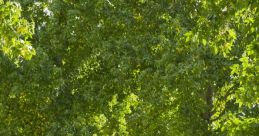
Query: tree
(129, 67)
(15, 32)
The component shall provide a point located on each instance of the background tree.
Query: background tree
(129, 67)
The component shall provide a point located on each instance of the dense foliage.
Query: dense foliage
(120, 67)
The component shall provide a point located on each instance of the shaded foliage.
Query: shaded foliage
(91, 67)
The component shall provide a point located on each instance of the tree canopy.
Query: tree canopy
(121, 67)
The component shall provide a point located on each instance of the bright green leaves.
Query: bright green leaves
(188, 36)
(88, 67)
(113, 102)
(229, 32)
(130, 67)
(98, 121)
(235, 70)
(114, 121)
(15, 32)
(236, 124)
(246, 76)
(227, 41)
(142, 1)
(204, 42)
(120, 110)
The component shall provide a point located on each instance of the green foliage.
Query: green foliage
(15, 32)
(90, 67)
